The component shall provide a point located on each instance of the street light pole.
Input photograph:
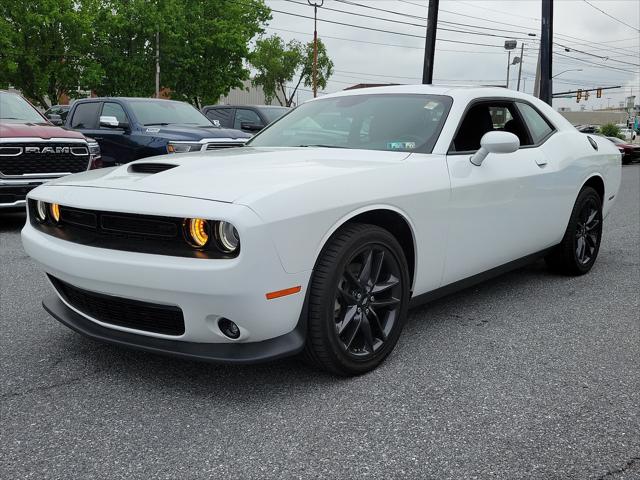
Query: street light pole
(315, 44)
(520, 68)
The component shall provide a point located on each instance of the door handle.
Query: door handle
(541, 161)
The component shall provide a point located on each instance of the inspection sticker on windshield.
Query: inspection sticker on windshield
(401, 145)
(153, 130)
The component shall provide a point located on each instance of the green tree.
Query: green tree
(203, 45)
(611, 130)
(45, 47)
(282, 68)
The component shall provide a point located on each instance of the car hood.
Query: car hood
(35, 130)
(239, 175)
(186, 133)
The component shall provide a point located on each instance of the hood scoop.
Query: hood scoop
(150, 168)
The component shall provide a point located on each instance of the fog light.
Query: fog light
(229, 328)
(41, 211)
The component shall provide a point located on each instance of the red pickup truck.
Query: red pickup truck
(33, 150)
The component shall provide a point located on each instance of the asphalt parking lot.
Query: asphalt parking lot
(531, 375)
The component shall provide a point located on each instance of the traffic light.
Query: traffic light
(599, 93)
(586, 95)
(579, 95)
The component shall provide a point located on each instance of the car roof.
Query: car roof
(127, 99)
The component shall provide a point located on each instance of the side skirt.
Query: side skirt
(427, 297)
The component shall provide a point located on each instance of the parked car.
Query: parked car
(57, 114)
(318, 241)
(628, 134)
(629, 151)
(248, 118)
(587, 128)
(128, 129)
(34, 151)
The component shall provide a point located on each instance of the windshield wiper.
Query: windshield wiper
(157, 123)
(320, 145)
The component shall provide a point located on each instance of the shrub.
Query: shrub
(611, 130)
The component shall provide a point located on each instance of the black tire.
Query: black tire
(580, 245)
(349, 330)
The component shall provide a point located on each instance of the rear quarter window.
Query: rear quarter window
(539, 127)
(86, 115)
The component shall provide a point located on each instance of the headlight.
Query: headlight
(95, 154)
(197, 232)
(41, 211)
(55, 212)
(227, 237)
(183, 147)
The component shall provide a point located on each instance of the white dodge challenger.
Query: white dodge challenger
(320, 234)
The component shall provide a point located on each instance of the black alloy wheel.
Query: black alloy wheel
(588, 230)
(367, 301)
(580, 245)
(357, 300)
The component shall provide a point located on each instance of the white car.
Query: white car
(629, 134)
(317, 240)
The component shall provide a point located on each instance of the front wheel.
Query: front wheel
(358, 300)
(580, 245)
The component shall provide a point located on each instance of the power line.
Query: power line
(611, 16)
(421, 25)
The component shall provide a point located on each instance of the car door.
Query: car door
(498, 209)
(116, 143)
(247, 116)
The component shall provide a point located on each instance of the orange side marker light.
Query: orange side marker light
(283, 293)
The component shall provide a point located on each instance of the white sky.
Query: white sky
(594, 33)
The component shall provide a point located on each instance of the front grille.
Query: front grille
(125, 231)
(219, 145)
(150, 168)
(122, 312)
(24, 158)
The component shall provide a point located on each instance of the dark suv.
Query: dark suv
(248, 118)
(128, 129)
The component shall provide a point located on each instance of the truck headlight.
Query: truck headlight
(95, 155)
(183, 147)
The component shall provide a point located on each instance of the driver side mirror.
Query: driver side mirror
(112, 122)
(55, 119)
(495, 142)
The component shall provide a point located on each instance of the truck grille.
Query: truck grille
(123, 312)
(33, 158)
(219, 145)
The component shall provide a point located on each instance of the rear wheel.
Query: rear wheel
(357, 300)
(579, 248)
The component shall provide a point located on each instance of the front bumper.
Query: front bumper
(204, 289)
(13, 195)
(241, 353)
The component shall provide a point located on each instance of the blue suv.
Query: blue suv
(131, 128)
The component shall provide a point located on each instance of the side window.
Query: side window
(243, 115)
(86, 115)
(222, 115)
(538, 125)
(114, 110)
(488, 117)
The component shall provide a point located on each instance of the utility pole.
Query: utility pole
(520, 68)
(315, 45)
(157, 63)
(508, 67)
(546, 52)
(509, 45)
(430, 42)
